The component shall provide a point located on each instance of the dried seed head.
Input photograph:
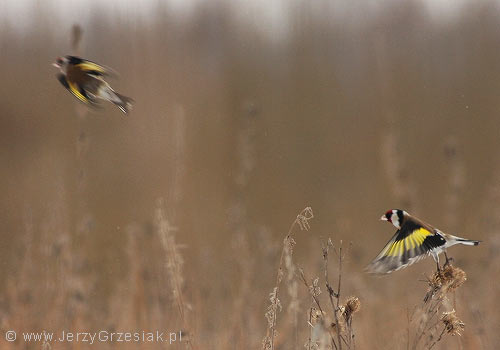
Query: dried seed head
(452, 277)
(452, 323)
(446, 280)
(459, 277)
(267, 343)
(303, 219)
(273, 308)
(352, 305)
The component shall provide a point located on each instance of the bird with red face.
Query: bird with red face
(413, 241)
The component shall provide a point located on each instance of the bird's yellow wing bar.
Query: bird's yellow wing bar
(93, 68)
(412, 241)
(74, 89)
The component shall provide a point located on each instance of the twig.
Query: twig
(331, 292)
(438, 339)
(314, 296)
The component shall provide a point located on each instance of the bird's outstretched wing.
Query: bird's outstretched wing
(410, 244)
(76, 90)
(91, 68)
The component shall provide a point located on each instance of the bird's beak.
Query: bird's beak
(57, 65)
(383, 218)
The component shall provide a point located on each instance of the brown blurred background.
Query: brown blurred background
(244, 115)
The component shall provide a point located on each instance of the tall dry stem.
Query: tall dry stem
(337, 323)
(302, 221)
(174, 263)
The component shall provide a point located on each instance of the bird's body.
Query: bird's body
(85, 80)
(413, 241)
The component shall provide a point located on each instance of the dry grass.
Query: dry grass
(327, 322)
(302, 222)
(330, 328)
(235, 125)
(174, 265)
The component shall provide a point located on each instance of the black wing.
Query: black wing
(408, 245)
(90, 68)
(77, 91)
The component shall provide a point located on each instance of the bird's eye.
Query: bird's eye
(59, 60)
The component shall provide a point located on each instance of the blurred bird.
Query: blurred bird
(85, 80)
(414, 240)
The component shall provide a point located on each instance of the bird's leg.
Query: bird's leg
(448, 260)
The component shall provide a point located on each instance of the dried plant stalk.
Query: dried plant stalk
(302, 221)
(337, 325)
(174, 263)
(430, 315)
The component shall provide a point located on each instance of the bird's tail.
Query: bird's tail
(466, 241)
(107, 93)
(123, 102)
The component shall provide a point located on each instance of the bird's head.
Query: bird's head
(61, 63)
(395, 217)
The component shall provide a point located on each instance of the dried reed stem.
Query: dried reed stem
(302, 221)
(174, 264)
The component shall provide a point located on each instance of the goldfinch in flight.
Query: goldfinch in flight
(414, 240)
(85, 80)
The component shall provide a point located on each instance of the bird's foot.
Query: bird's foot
(448, 260)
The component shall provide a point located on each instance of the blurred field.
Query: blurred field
(240, 122)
